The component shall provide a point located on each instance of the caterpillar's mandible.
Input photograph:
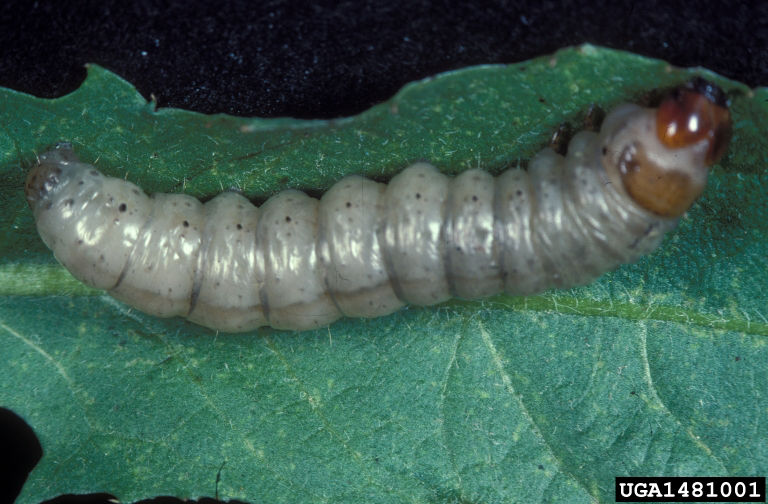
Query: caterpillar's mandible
(365, 249)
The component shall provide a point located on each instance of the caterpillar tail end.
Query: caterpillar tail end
(46, 173)
(693, 124)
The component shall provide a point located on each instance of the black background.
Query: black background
(329, 59)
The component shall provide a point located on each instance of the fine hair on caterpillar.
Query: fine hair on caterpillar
(365, 249)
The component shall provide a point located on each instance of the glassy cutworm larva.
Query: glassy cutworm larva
(365, 248)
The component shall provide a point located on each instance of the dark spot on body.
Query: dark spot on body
(239, 226)
(287, 218)
(123, 207)
(94, 173)
(79, 242)
(185, 223)
(349, 204)
(69, 202)
(418, 195)
(474, 198)
(605, 150)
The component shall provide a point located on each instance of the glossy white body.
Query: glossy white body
(363, 250)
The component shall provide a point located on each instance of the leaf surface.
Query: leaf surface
(659, 368)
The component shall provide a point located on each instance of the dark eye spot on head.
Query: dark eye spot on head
(287, 218)
(239, 226)
(123, 207)
(418, 195)
(349, 205)
(474, 198)
(186, 223)
(605, 150)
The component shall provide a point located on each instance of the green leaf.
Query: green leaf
(659, 368)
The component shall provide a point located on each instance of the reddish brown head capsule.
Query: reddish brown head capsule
(698, 111)
(665, 175)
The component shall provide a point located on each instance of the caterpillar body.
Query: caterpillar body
(365, 248)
